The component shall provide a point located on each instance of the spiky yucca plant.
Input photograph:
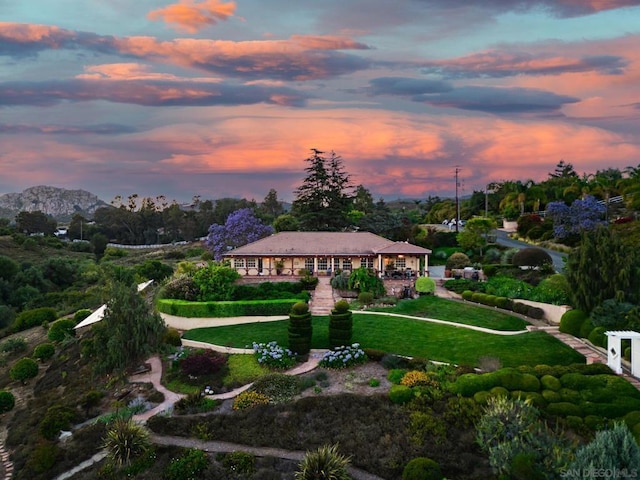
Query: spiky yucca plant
(125, 440)
(325, 463)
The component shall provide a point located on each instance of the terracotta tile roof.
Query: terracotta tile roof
(289, 244)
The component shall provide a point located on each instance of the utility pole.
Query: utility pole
(457, 201)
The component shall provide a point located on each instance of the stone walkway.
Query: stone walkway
(323, 298)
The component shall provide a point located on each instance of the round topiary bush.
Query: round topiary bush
(550, 396)
(300, 308)
(7, 401)
(531, 257)
(24, 369)
(81, 315)
(172, 337)
(341, 306)
(44, 351)
(571, 322)
(422, 468)
(425, 285)
(458, 260)
(586, 328)
(61, 329)
(597, 337)
(467, 295)
(550, 382)
(365, 298)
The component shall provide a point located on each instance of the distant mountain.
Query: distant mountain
(60, 203)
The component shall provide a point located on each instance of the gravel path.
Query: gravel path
(227, 447)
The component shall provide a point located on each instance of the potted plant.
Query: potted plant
(279, 267)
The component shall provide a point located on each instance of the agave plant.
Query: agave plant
(325, 463)
(126, 440)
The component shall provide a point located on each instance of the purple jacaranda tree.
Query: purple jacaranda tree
(582, 215)
(242, 227)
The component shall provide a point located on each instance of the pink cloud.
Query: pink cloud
(191, 16)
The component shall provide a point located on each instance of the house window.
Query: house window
(336, 264)
(238, 262)
(251, 263)
(401, 263)
(309, 264)
(346, 264)
(366, 262)
(322, 264)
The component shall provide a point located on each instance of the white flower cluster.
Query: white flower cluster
(342, 357)
(273, 355)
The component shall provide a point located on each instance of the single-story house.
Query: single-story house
(287, 253)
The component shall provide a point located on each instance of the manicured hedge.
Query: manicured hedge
(183, 308)
(571, 322)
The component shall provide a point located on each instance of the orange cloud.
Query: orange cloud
(132, 71)
(191, 16)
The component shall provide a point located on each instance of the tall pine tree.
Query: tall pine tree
(323, 201)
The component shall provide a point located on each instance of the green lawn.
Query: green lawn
(408, 337)
(442, 309)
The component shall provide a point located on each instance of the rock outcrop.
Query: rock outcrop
(60, 203)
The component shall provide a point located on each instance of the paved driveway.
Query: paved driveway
(556, 257)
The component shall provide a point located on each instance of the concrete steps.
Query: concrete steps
(323, 298)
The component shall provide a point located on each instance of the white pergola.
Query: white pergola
(98, 314)
(615, 353)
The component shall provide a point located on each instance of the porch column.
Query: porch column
(426, 266)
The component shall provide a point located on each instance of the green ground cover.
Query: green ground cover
(443, 309)
(410, 337)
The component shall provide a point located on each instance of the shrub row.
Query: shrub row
(183, 308)
(577, 323)
(503, 303)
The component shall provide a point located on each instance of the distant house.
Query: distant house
(323, 253)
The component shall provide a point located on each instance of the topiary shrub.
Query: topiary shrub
(60, 329)
(24, 369)
(597, 337)
(425, 285)
(400, 394)
(172, 337)
(341, 306)
(531, 257)
(467, 295)
(44, 351)
(550, 382)
(551, 396)
(422, 468)
(458, 260)
(365, 298)
(300, 308)
(535, 312)
(7, 401)
(564, 409)
(571, 322)
(586, 328)
(81, 315)
(341, 324)
(300, 329)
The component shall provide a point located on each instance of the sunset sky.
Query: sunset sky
(226, 99)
